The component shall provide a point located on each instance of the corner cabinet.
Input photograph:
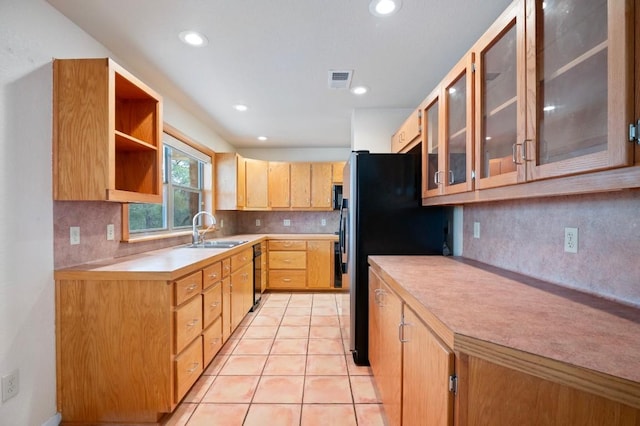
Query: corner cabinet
(107, 128)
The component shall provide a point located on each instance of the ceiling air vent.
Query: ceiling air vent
(340, 79)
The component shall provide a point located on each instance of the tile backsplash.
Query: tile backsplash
(527, 236)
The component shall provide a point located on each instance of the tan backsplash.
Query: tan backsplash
(528, 237)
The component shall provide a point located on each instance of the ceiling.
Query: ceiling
(275, 56)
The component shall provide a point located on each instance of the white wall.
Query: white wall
(372, 128)
(31, 34)
(296, 154)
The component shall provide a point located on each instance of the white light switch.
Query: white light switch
(323, 222)
(74, 235)
(476, 229)
(258, 222)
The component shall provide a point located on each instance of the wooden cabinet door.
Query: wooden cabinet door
(321, 185)
(427, 365)
(300, 185)
(499, 101)
(320, 264)
(457, 119)
(408, 134)
(433, 140)
(226, 308)
(257, 177)
(579, 86)
(230, 181)
(337, 169)
(279, 184)
(374, 323)
(238, 293)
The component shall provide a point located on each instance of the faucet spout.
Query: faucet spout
(195, 234)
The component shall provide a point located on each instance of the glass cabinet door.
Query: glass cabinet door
(431, 143)
(579, 91)
(455, 170)
(500, 128)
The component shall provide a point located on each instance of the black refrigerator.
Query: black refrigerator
(382, 214)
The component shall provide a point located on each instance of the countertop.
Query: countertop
(170, 263)
(522, 322)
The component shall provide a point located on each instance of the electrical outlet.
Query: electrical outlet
(74, 235)
(571, 240)
(323, 222)
(221, 223)
(10, 385)
(258, 222)
(286, 222)
(476, 229)
(111, 231)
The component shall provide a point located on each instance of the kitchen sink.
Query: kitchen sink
(217, 244)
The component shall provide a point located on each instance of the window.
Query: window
(185, 173)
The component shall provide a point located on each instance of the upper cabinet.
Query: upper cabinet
(300, 185)
(257, 189)
(338, 171)
(321, 185)
(107, 128)
(409, 133)
(279, 184)
(230, 181)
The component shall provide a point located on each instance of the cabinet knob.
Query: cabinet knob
(193, 368)
(213, 275)
(192, 323)
(214, 305)
(191, 288)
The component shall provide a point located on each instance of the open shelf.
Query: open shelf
(125, 142)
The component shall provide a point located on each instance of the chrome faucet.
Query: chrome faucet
(195, 235)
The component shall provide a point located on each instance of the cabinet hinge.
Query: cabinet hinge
(634, 132)
(453, 384)
(473, 174)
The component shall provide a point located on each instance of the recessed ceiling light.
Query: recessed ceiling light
(193, 38)
(240, 107)
(384, 7)
(262, 138)
(359, 90)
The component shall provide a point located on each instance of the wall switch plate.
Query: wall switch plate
(286, 222)
(111, 232)
(258, 222)
(10, 385)
(323, 222)
(74, 235)
(476, 229)
(571, 240)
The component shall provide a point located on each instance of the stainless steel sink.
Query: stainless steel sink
(217, 244)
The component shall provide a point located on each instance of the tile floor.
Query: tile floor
(286, 364)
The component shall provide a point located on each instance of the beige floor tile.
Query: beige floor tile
(243, 365)
(199, 389)
(180, 416)
(321, 332)
(232, 389)
(357, 370)
(289, 347)
(219, 415)
(328, 414)
(285, 365)
(292, 332)
(259, 332)
(215, 365)
(325, 321)
(279, 390)
(267, 320)
(364, 390)
(327, 390)
(272, 311)
(326, 365)
(370, 414)
(228, 347)
(295, 320)
(291, 311)
(253, 347)
(273, 415)
(300, 302)
(324, 311)
(325, 346)
(279, 296)
(275, 303)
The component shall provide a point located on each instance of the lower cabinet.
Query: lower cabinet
(241, 286)
(300, 264)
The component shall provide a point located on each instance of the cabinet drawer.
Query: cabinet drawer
(188, 287)
(287, 245)
(187, 368)
(212, 304)
(241, 259)
(211, 275)
(188, 323)
(212, 340)
(288, 259)
(226, 267)
(287, 279)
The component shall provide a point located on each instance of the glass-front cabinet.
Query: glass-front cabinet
(499, 101)
(431, 143)
(579, 85)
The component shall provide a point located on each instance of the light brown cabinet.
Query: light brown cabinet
(338, 171)
(279, 184)
(230, 181)
(300, 185)
(321, 185)
(257, 186)
(107, 128)
(241, 286)
(408, 135)
(300, 264)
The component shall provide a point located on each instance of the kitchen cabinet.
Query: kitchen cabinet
(107, 128)
(241, 286)
(230, 181)
(300, 264)
(408, 135)
(300, 185)
(279, 184)
(338, 170)
(257, 189)
(432, 143)
(319, 264)
(321, 186)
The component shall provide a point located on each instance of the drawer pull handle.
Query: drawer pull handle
(286, 280)
(213, 276)
(192, 323)
(286, 260)
(214, 304)
(191, 288)
(193, 368)
(214, 341)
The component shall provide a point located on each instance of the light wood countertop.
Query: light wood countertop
(523, 323)
(170, 263)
